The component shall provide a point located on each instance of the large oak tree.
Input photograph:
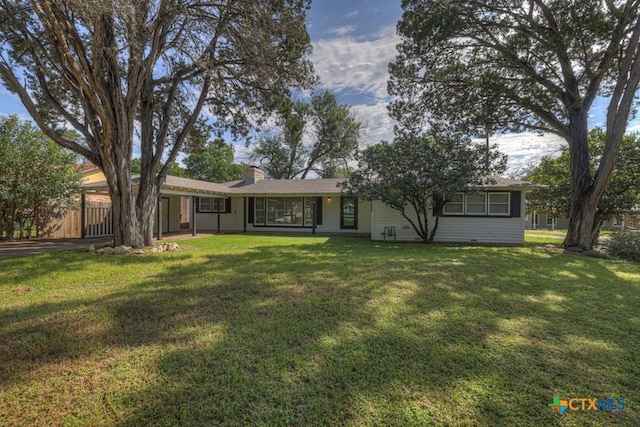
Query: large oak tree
(319, 135)
(141, 72)
(534, 64)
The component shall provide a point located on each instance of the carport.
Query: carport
(174, 187)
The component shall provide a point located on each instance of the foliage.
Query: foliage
(112, 69)
(175, 170)
(37, 179)
(318, 136)
(417, 173)
(214, 162)
(495, 64)
(625, 245)
(240, 330)
(623, 189)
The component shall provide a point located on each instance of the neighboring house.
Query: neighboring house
(535, 221)
(493, 214)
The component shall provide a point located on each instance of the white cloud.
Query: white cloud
(342, 31)
(356, 64)
(351, 14)
(526, 149)
(376, 123)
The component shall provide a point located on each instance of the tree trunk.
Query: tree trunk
(126, 229)
(584, 224)
(147, 205)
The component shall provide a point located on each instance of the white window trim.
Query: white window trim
(487, 205)
(466, 204)
(508, 213)
(461, 203)
(211, 201)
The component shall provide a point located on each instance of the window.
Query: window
(479, 204)
(476, 204)
(212, 204)
(550, 220)
(499, 203)
(455, 206)
(348, 212)
(283, 211)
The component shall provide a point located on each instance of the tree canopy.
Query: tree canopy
(623, 189)
(417, 173)
(213, 163)
(142, 72)
(538, 64)
(38, 182)
(319, 136)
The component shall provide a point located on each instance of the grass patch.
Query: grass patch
(263, 330)
(545, 236)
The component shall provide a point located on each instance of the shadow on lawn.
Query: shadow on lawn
(362, 334)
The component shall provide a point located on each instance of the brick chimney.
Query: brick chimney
(253, 174)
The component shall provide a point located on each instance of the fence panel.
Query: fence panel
(98, 219)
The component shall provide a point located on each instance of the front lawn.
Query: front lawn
(262, 330)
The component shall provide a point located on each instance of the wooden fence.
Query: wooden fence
(98, 222)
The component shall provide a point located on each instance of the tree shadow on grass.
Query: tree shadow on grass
(417, 341)
(341, 334)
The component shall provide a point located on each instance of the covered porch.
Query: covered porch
(177, 204)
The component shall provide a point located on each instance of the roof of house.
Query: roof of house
(262, 187)
(287, 186)
(500, 182)
(172, 185)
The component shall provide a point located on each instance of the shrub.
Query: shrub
(626, 245)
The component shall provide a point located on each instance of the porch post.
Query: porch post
(314, 210)
(83, 219)
(159, 216)
(193, 214)
(218, 216)
(244, 214)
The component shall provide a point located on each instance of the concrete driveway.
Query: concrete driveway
(41, 246)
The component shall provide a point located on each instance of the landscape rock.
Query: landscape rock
(122, 249)
(595, 253)
(138, 252)
(92, 248)
(107, 250)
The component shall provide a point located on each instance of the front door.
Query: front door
(348, 213)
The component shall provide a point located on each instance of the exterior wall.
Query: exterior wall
(233, 221)
(94, 175)
(509, 230)
(170, 206)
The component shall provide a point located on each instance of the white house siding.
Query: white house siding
(508, 230)
(478, 229)
(229, 221)
(170, 206)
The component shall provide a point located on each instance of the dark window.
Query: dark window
(348, 212)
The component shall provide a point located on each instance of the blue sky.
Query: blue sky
(353, 43)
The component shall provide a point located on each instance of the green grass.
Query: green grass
(545, 236)
(262, 330)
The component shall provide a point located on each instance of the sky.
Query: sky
(353, 43)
